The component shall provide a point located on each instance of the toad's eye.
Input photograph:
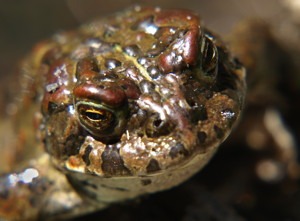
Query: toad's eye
(210, 56)
(96, 119)
(103, 122)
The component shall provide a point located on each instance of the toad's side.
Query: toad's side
(128, 105)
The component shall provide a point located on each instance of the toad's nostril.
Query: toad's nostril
(156, 127)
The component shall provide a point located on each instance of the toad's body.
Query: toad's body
(128, 105)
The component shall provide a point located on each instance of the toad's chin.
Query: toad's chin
(121, 188)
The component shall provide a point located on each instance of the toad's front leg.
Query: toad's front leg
(40, 192)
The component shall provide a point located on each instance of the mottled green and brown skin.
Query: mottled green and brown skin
(127, 105)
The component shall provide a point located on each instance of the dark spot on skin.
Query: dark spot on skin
(39, 185)
(86, 183)
(114, 188)
(237, 63)
(219, 132)
(73, 144)
(201, 137)
(89, 194)
(52, 107)
(4, 193)
(79, 184)
(112, 163)
(33, 201)
(124, 87)
(208, 94)
(85, 156)
(196, 94)
(153, 166)
(38, 188)
(112, 63)
(178, 149)
(198, 114)
(132, 50)
(146, 182)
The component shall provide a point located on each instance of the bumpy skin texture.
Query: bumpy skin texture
(131, 104)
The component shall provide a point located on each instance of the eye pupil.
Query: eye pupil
(157, 122)
(95, 116)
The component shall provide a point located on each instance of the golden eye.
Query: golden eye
(101, 121)
(96, 119)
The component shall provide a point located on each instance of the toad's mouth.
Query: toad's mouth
(136, 155)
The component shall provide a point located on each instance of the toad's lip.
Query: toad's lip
(137, 157)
